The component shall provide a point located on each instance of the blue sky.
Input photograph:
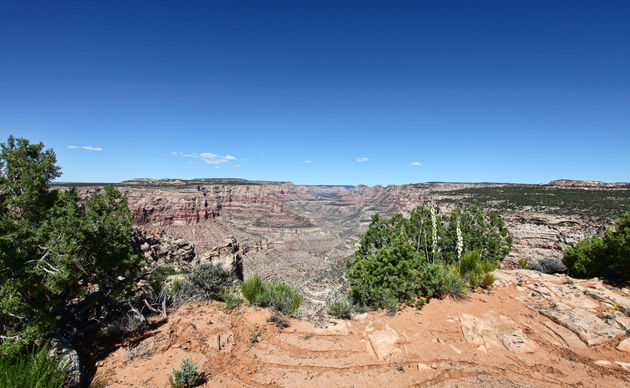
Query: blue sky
(501, 91)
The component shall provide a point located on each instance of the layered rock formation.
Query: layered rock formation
(304, 234)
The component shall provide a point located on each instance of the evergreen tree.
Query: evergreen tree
(54, 247)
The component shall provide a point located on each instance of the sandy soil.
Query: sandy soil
(494, 339)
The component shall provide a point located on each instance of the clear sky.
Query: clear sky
(321, 92)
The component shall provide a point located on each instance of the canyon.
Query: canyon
(303, 235)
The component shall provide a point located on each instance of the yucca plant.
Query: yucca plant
(34, 369)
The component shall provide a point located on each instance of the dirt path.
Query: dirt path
(510, 337)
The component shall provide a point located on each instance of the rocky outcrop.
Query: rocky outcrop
(228, 256)
(495, 338)
(161, 249)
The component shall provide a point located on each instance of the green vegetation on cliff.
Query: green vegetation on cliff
(426, 255)
(607, 257)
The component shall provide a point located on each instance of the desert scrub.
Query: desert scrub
(280, 296)
(340, 309)
(252, 288)
(204, 282)
(488, 280)
(522, 263)
(440, 281)
(232, 297)
(279, 320)
(272, 293)
(33, 369)
(187, 376)
(157, 277)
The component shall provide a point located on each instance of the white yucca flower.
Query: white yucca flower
(434, 224)
(460, 240)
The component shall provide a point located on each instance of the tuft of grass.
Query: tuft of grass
(488, 280)
(281, 296)
(33, 369)
(272, 294)
(522, 263)
(456, 287)
(308, 336)
(341, 309)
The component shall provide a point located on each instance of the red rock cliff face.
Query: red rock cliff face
(186, 206)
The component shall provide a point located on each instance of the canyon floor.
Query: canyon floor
(528, 330)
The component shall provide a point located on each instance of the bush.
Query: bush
(158, 276)
(187, 376)
(439, 281)
(252, 288)
(204, 282)
(487, 280)
(272, 294)
(279, 320)
(522, 263)
(392, 271)
(232, 298)
(340, 309)
(607, 257)
(280, 296)
(550, 266)
(33, 369)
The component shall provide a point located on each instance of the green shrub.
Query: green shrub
(456, 287)
(33, 369)
(393, 270)
(158, 276)
(204, 282)
(280, 296)
(252, 288)
(607, 257)
(175, 287)
(522, 263)
(187, 376)
(232, 297)
(341, 309)
(439, 281)
(273, 293)
(488, 280)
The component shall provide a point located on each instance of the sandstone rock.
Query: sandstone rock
(495, 331)
(624, 346)
(423, 367)
(624, 365)
(384, 342)
(590, 328)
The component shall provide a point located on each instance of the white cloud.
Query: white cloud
(308, 161)
(89, 148)
(174, 153)
(415, 164)
(208, 157)
(361, 160)
(237, 165)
